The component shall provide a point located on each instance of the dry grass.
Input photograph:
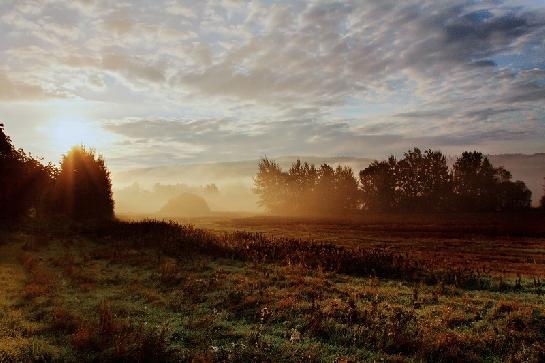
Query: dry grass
(499, 244)
(156, 292)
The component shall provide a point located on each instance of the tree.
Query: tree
(84, 188)
(473, 182)
(378, 185)
(324, 197)
(513, 196)
(270, 184)
(306, 190)
(423, 180)
(438, 183)
(211, 189)
(24, 181)
(479, 186)
(301, 187)
(542, 202)
(345, 191)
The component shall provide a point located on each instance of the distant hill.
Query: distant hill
(528, 168)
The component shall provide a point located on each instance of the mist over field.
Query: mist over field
(233, 179)
(134, 188)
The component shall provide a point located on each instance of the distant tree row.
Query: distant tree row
(306, 189)
(420, 182)
(80, 188)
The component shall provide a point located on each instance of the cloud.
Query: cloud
(213, 137)
(226, 78)
(132, 69)
(13, 90)
(339, 51)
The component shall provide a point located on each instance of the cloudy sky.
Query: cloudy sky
(150, 82)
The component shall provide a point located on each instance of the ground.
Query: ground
(77, 297)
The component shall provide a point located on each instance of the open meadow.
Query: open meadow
(276, 289)
(499, 243)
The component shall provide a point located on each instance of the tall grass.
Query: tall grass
(183, 241)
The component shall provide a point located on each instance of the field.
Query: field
(501, 244)
(387, 288)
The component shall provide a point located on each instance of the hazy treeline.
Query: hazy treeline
(80, 188)
(420, 181)
(220, 195)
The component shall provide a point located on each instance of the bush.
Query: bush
(186, 205)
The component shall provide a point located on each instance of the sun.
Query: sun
(69, 131)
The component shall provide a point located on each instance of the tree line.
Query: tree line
(418, 182)
(80, 188)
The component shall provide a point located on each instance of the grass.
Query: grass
(160, 292)
(501, 244)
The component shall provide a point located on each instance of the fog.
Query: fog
(150, 199)
(147, 190)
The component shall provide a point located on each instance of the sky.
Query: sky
(170, 82)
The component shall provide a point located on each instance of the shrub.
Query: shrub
(186, 205)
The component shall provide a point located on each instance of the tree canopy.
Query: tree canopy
(24, 181)
(305, 189)
(418, 182)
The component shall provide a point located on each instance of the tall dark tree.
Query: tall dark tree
(479, 186)
(84, 188)
(378, 184)
(438, 183)
(542, 202)
(325, 199)
(411, 179)
(346, 191)
(473, 182)
(24, 181)
(512, 196)
(423, 180)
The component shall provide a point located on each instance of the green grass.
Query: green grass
(68, 297)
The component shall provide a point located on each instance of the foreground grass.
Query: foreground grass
(75, 298)
(22, 337)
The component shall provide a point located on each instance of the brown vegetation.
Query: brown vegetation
(239, 297)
